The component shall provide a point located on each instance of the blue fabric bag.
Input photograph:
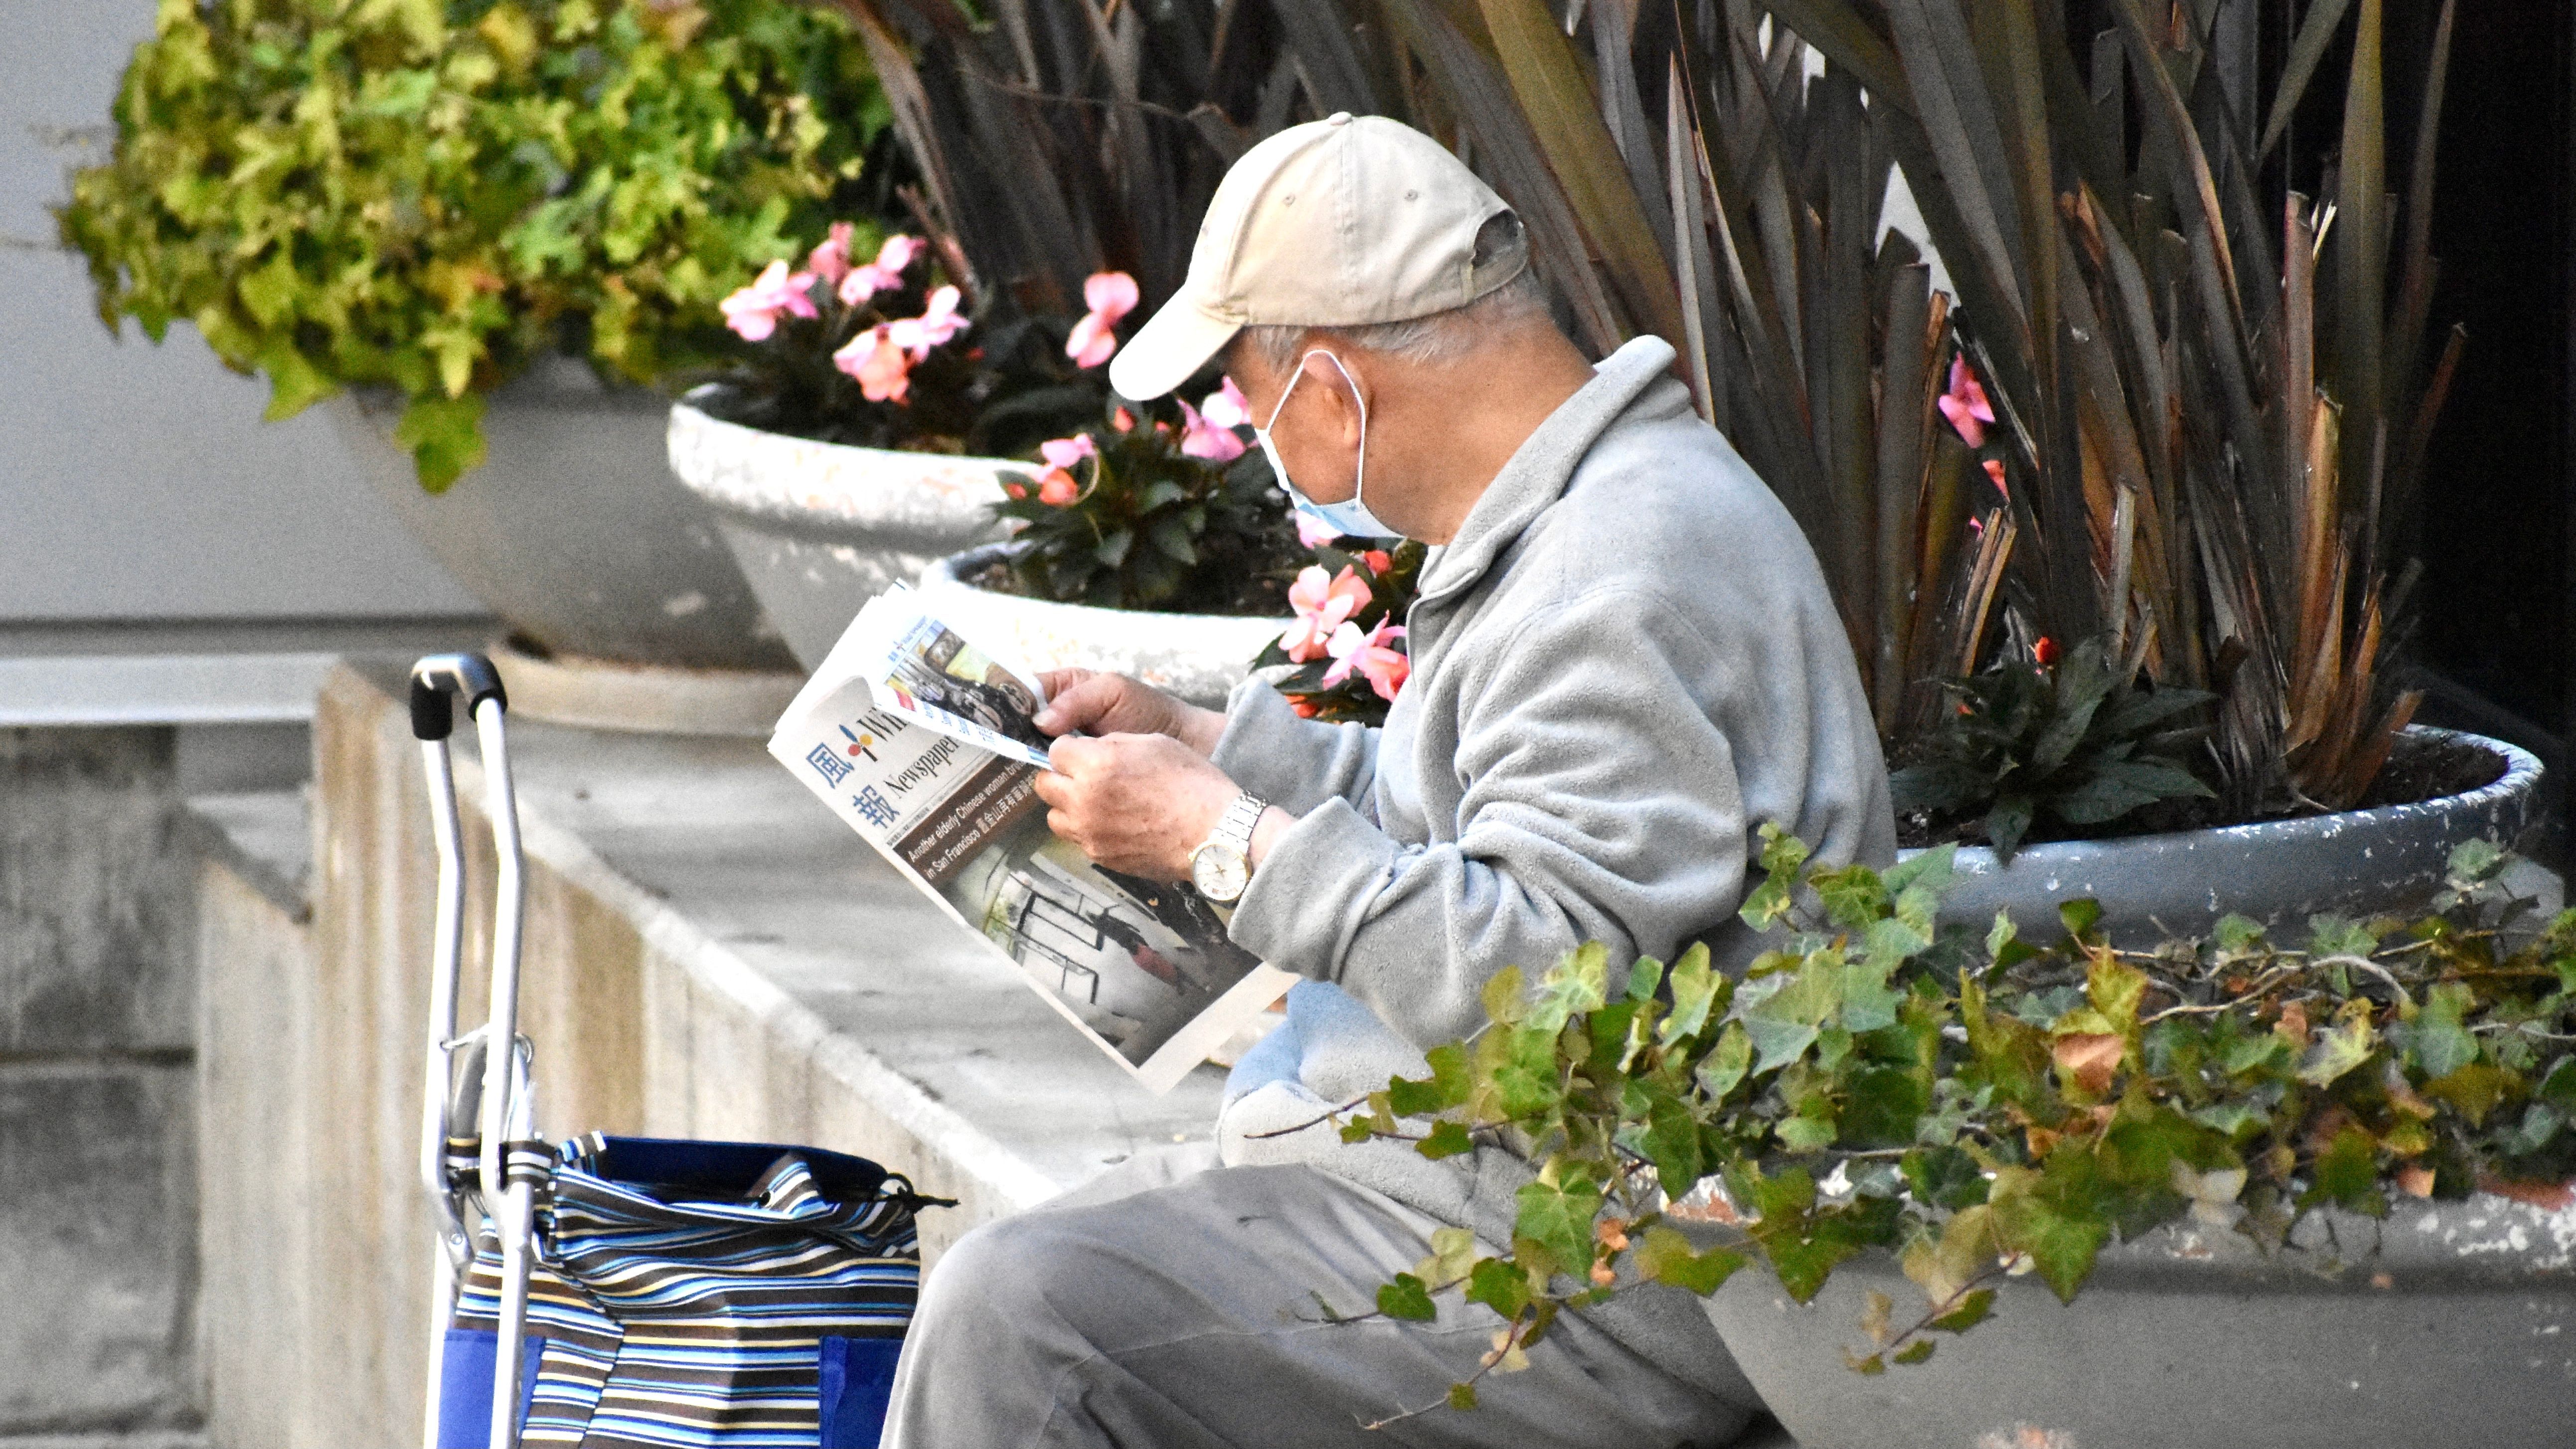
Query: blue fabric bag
(698, 1295)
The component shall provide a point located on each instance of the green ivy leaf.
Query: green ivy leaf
(1500, 1285)
(1782, 857)
(1972, 1310)
(2558, 1089)
(2003, 944)
(1805, 1134)
(1527, 1077)
(1671, 1141)
(1667, 1256)
(1446, 1139)
(1643, 979)
(1697, 990)
(1929, 870)
(1724, 1067)
(2475, 1090)
(2332, 935)
(2475, 860)
(2341, 1047)
(2080, 916)
(1853, 896)
(1558, 1216)
(1945, 1177)
(1462, 1396)
(1407, 1298)
(1919, 1352)
(2045, 1214)
(1882, 1105)
(2442, 1044)
(1505, 998)
(2237, 934)
(1784, 1023)
(2347, 1173)
(1573, 986)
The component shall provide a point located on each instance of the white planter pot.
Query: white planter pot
(2450, 1323)
(821, 528)
(1199, 657)
(2356, 863)
(573, 530)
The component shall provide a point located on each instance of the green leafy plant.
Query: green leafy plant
(2208, 405)
(2037, 739)
(1977, 1109)
(1124, 518)
(424, 196)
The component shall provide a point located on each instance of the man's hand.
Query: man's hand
(1092, 703)
(1138, 803)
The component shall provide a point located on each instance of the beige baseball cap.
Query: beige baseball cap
(1344, 222)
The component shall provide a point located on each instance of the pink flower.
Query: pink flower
(1322, 605)
(1965, 403)
(1057, 487)
(1110, 296)
(884, 373)
(1065, 452)
(830, 259)
(752, 312)
(937, 323)
(1123, 420)
(1378, 560)
(1313, 534)
(1226, 406)
(1995, 470)
(1372, 654)
(883, 274)
(1201, 438)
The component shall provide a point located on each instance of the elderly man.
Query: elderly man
(1624, 662)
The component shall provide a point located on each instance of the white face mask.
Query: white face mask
(1348, 517)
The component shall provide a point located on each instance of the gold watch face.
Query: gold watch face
(1219, 873)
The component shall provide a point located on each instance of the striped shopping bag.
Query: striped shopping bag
(714, 1295)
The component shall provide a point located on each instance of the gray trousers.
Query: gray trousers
(1173, 1308)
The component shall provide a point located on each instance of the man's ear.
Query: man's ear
(1337, 384)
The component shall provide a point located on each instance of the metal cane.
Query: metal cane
(436, 683)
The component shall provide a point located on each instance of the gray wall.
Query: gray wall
(138, 482)
(97, 1078)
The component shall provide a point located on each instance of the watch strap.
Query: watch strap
(1234, 829)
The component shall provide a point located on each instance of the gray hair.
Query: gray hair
(1439, 336)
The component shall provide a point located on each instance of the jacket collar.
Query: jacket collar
(1538, 471)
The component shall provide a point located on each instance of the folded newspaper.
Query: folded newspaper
(922, 742)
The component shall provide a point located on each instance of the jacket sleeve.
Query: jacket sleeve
(1295, 764)
(1600, 801)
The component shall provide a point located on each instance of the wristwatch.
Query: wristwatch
(1222, 867)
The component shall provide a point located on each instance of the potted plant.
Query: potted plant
(1962, 1191)
(1046, 244)
(1153, 544)
(840, 451)
(2173, 417)
(477, 229)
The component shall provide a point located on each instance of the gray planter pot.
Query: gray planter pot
(2358, 863)
(2458, 1329)
(821, 528)
(573, 530)
(1199, 657)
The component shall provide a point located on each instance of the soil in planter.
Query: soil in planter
(1213, 591)
(2418, 769)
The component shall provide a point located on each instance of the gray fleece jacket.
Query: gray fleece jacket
(1623, 665)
